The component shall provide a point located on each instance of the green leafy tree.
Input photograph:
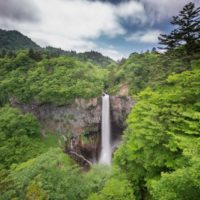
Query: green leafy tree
(114, 189)
(8, 186)
(57, 80)
(143, 70)
(51, 175)
(35, 54)
(19, 137)
(163, 131)
(34, 191)
(96, 178)
(182, 184)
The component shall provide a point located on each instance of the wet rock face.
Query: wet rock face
(120, 108)
(81, 118)
(77, 118)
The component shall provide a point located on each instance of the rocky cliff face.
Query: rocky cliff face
(120, 108)
(80, 122)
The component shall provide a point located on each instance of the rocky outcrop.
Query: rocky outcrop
(81, 120)
(123, 90)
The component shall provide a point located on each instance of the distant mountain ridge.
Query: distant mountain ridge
(96, 58)
(14, 41)
(91, 56)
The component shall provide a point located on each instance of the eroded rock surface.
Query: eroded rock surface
(81, 119)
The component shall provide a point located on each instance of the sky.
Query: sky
(115, 28)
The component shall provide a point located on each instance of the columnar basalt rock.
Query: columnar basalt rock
(81, 118)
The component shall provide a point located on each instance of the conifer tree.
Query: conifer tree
(186, 33)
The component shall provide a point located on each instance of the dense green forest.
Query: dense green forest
(158, 158)
(14, 40)
(29, 77)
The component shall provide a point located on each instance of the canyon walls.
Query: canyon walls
(80, 121)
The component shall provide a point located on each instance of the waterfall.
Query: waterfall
(106, 149)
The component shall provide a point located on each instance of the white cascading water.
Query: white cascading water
(106, 149)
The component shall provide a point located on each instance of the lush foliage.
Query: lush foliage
(96, 58)
(93, 57)
(13, 41)
(163, 135)
(19, 137)
(148, 69)
(51, 175)
(57, 80)
(114, 189)
(183, 184)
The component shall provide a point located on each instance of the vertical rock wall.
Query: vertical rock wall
(81, 121)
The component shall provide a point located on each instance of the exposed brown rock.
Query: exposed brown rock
(123, 91)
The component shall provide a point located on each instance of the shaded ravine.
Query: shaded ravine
(80, 122)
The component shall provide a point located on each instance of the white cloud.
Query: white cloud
(150, 36)
(79, 19)
(76, 24)
(131, 10)
(159, 10)
(112, 53)
(73, 25)
(12, 9)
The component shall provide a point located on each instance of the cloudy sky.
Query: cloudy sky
(116, 28)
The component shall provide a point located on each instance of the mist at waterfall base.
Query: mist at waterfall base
(106, 149)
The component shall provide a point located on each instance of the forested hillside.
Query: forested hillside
(91, 56)
(161, 144)
(143, 70)
(30, 78)
(14, 40)
(95, 58)
(160, 148)
(158, 157)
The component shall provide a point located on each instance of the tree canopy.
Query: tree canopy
(163, 136)
(56, 80)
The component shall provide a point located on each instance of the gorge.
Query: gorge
(80, 123)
